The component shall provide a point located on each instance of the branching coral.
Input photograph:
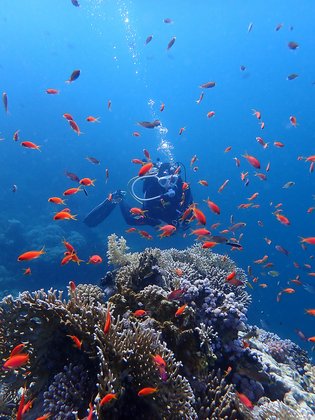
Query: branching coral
(83, 348)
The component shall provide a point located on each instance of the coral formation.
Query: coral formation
(165, 321)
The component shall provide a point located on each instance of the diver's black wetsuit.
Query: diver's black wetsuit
(167, 208)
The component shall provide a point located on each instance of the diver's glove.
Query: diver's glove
(117, 196)
(169, 194)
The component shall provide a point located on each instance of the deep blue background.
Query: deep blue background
(44, 41)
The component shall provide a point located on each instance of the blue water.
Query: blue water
(43, 42)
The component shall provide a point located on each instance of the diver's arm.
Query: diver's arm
(99, 213)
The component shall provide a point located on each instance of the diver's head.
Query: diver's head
(166, 176)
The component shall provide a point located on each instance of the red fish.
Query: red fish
(93, 119)
(212, 206)
(139, 313)
(52, 91)
(175, 294)
(76, 341)
(30, 145)
(68, 117)
(245, 400)
(16, 361)
(95, 259)
(75, 127)
(108, 320)
(252, 160)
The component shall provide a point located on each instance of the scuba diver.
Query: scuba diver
(165, 198)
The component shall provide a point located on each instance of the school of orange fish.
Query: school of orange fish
(19, 356)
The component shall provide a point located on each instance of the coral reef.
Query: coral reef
(165, 321)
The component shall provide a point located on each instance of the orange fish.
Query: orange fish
(31, 255)
(159, 360)
(262, 125)
(227, 149)
(210, 114)
(180, 310)
(56, 200)
(64, 215)
(278, 144)
(107, 321)
(76, 341)
(44, 417)
(310, 240)
(282, 219)
(136, 211)
(257, 114)
(147, 391)
(16, 361)
(95, 259)
(145, 169)
(199, 216)
(255, 195)
(167, 230)
(203, 182)
(93, 119)
(245, 400)
(30, 145)
(310, 312)
(107, 398)
(252, 160)
(136, 134)
(51, 91)
(311, 339)
(27, 271)
(162, 107)
(87, 182)
(71, 191)
(181, 130)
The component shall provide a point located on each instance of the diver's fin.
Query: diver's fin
(99, 213)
